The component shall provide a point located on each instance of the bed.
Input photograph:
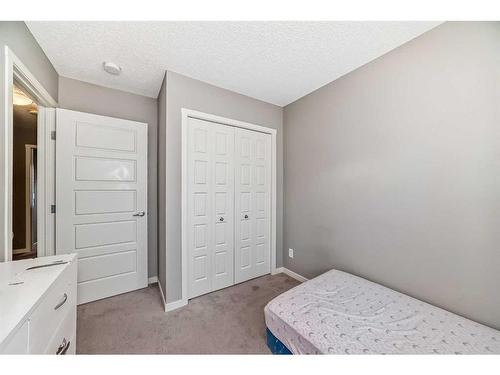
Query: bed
(339, 313)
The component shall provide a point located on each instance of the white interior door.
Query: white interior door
(210, 206)
(101, 199)
(252, 204)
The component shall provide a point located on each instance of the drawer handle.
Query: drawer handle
(63, 348)
(63, 301)
(66, 348)
(55, 263)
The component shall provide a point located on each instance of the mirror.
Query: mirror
(24, 175)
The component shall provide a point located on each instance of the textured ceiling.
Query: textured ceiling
(277, 62)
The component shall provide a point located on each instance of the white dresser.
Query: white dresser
(38, 306)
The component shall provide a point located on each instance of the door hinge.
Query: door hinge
(52, 208)
(53, 135)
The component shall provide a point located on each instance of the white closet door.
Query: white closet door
(252, 204)
(223, 206)
(210, 206)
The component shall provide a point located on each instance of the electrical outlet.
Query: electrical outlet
(290, 253)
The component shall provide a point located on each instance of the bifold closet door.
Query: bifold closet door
(210, 206)
(252, 204)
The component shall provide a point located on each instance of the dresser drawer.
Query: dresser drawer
(63, 341)
(53, 309)
(18, 342)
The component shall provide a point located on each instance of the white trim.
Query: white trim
(226, 121)
(12, 68)
(29, 82)
(278, 270)
(46, 181)
(6, 83)
(152, 280)
(162, 297)
(171, 305)
(187, 113)
(290, 273)
(274, 197)
(184, 182)
(175, 305)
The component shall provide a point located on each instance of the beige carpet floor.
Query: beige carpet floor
(228, 321)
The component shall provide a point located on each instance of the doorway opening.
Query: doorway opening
(24, 175)
(25, 99)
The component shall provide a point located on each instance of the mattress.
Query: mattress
(275, 345)
(339, 313)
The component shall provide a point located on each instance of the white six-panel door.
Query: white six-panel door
(210, 206)
(101, 199)
(252, 204)
(228, 205)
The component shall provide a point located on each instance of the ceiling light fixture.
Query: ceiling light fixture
(111, 68)
(20, 98)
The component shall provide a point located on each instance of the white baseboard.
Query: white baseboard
(153, 280)
(162, 297)
(277, 270)
(290, 273)
(171, 305)
(175, 305)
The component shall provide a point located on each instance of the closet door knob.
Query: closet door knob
(221, 218)
(246, 216)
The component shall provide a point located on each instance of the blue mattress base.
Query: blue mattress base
(275, 345)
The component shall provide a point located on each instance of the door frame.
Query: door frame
(186, 115)
(12, 69)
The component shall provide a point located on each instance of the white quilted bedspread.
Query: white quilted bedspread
(340, 313)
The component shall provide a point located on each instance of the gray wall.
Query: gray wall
(161, 142)
(184, 92)
(392, 172)
(87, 97)
(19, 39)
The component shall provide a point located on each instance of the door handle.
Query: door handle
(63, 301)
(55, 263)
(140, 214)
(63, 348)
(66, 348)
